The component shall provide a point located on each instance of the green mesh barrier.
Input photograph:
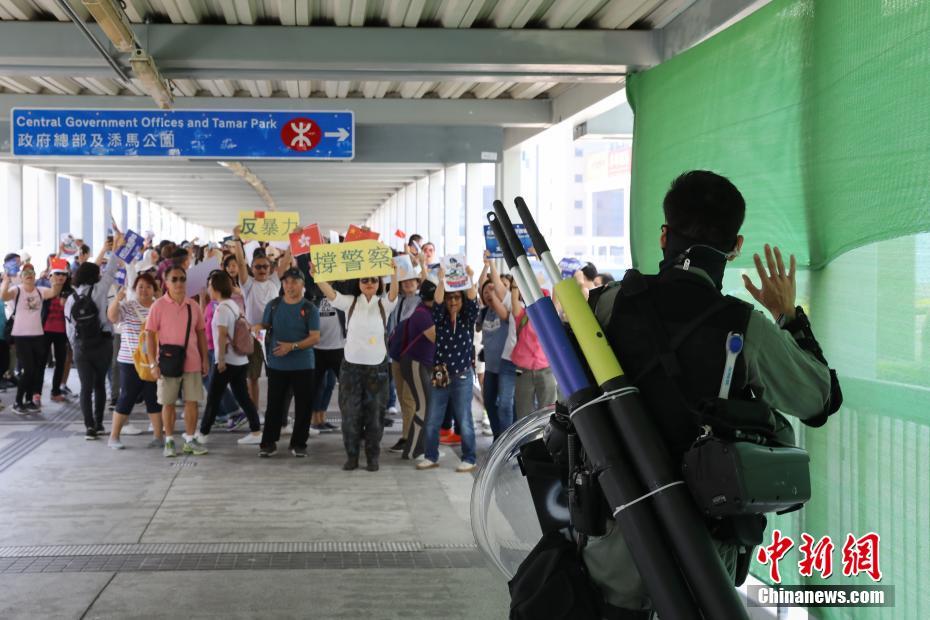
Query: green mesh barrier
(820, 113)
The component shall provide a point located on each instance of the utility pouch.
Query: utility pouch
(587, 505)
(730, 478)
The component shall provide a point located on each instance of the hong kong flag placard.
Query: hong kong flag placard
(303, 240)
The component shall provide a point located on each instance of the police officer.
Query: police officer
(670, 332)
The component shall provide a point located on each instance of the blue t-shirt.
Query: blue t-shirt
(292, 323)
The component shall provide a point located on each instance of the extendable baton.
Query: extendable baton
(649, 548)
(680, 518)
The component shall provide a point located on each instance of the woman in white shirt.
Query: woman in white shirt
(231, 367)
(363, 378)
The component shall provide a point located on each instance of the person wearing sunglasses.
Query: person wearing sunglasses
(363, 378)
(258, 290)
(454, 315)
(28, 333)
(176, 321)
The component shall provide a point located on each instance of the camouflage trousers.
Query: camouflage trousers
(363, 398)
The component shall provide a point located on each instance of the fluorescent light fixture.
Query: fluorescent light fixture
(112, 20)
(152, 82)
(252, 179)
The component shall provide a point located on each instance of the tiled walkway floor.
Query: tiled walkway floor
(88, 532)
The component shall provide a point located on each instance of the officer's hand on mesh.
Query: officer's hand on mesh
(778, 289)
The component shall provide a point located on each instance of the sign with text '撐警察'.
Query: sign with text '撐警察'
(191, 134)
(346, 261)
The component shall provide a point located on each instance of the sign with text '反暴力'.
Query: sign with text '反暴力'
(267, 225)
(191, 134)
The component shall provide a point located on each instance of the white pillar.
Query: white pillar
(99, 219)
(76, 212)
(474, 214)
(47, 213)
(132, 213)
(453, 240)
(437, 207)
(145, 215)
(11, 206)
(30, 209)
(421, 218)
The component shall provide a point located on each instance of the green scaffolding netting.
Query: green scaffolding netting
(820, 113)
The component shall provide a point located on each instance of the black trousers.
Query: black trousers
(30, 352)
(280, 382)
(235, 377)
(93, 363)
(56, 344)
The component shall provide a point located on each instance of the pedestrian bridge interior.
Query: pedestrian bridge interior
(587, 109)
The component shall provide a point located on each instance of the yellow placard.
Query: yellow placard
(267, 225)
(346, 261)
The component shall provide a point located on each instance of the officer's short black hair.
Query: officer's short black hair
(705, 206)
(589, 271)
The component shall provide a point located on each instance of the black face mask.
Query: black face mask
(679, 248)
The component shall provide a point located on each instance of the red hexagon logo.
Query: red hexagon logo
(301, 134)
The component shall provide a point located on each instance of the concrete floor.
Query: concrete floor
(58, 490)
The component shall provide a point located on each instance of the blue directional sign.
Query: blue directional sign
(189, 134)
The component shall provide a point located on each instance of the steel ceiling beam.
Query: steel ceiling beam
(237, 52)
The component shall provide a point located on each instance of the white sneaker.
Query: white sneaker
(465, 468)
(287, 430)
(250, 440)
(115, 444)
(129, 429)
(392, 410)
(314, 432)
(200, 437)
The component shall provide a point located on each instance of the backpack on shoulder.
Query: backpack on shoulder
(86, 318)
(242, 341)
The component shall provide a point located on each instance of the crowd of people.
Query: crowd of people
(392, 344)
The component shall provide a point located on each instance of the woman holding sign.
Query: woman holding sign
(454, 313)
(364, 372)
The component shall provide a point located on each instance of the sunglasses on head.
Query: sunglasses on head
(178, 279)
(368, 280)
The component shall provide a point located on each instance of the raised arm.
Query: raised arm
(440, 294)
(284, 263)
(325, 287)
(239, 253)
(113, 309)
(471, 293)
(5, 293)
(55, 291)
(394, 286)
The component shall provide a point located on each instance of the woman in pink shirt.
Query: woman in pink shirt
(535, 382)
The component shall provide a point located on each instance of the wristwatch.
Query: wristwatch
(295, 347)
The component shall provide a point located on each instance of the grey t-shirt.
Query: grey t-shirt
(331, 336)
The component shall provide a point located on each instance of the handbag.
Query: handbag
(140, 356)
(171, 356)
(440, 376)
